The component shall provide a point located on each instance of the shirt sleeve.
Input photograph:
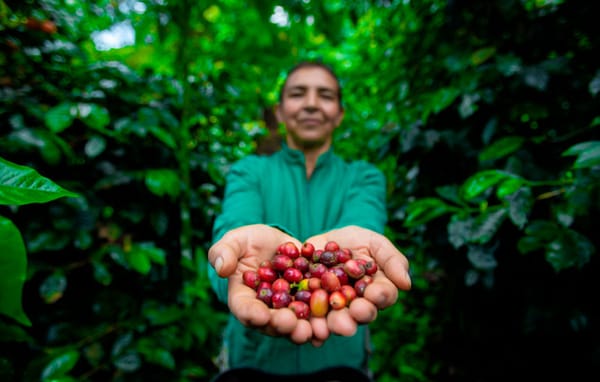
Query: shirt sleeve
(367, 196)
(242, 205)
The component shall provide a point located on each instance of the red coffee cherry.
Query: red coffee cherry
(281, 299)
(337, 300)
(307, 250)
(288, 249)
(319, 303)
(300, 308)
(251, 279)
(310, 281)
(281, 285)
(331, 246)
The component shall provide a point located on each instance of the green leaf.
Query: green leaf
(154, 253)
(569, 249)
(449, 193)
(501, 148)
(60, 117)
(95, 146)
(481, 181)
(482, 257)
(443, 98)
(64, 378)
(158, 314)
(527, 244)
(163, 181)
(60, 365)
(475, 230)
(13, 271)
(519, 206)
(486, 225)
(545, 230)
(509, 186)
(138, 259)
(128, 362)
(589, 158)
(423, 210)
(581, 147)
(482, 55)
(163, 135)
(42, 139)
(53, 287)
(458, 229)
(156, 354)
(95, 116)
(101, 273)
(23, 185)
(588, 154)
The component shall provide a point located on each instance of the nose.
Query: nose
(311, 100)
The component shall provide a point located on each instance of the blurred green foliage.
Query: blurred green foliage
(482, 115)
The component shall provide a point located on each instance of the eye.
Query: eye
(328, 95)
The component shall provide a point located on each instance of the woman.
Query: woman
(302, 193)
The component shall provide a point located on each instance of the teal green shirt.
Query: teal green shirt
(274, 190)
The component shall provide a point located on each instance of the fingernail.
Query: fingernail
(218, 264)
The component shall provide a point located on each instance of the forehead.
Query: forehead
(312, 77)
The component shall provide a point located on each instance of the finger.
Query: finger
(340, 322)
(302, 333)
(224, 254)
(248, 309)
(362, 310)
(317, 343)
(319, 328)
(381, 292)
(283, 320)
(391, 261)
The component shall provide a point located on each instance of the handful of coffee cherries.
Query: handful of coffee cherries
(309, 281)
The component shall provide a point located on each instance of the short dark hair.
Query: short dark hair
(311, 64)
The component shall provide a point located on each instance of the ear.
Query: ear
(339, 118)
(277, 112)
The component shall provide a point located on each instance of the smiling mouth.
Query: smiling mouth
(311, 122)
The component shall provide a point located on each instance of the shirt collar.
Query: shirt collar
(297, 157)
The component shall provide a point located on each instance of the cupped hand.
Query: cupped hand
(244, 249)
(392, 274)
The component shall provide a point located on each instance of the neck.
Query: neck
(311, 155)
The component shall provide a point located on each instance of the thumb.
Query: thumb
(223, 256)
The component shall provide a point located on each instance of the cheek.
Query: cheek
(333, 114)
(290, 108)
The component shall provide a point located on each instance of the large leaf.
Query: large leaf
(93, 115)
(588, 154)
(501, 148)
(520, 204)
(42, 139)
(60, 365)
(60, 117)
(481, 181)
(140, 256)
(13, 270)
(155, 353)
(23, 185)
(569, 249)
(423, 210)
(482, 257)
(475, 229)
(537, 234)
(486, 225)
(163, 181)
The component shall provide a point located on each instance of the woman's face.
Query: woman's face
(310, 108)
